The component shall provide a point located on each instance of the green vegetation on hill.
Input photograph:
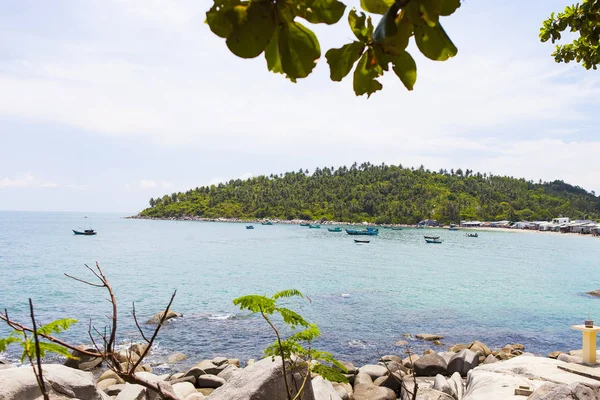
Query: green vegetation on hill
(381, 194)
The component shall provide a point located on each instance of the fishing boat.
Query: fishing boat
(361, 241)
(472, 235)
(368, 231)
(85, 232)
(431, 237)
(396, 228)
(249, 227)
(336, 229)
(314, 226)
(453, 228)
(304, 224)
(436, 241)
(266, 223)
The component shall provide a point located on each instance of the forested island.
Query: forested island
(381, 194)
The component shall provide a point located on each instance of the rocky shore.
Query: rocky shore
(462, 372)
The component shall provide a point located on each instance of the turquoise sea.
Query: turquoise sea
(499, 288)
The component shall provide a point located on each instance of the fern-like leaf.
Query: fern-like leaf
(255, 303)
(54, 348)
(292, 318)
(57, 326)
(329, 373)
(307, 335)
(4, 343)
(287, 293)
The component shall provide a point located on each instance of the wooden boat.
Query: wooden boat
(361, 241)
(88, 232)
(314, 226)
(249, 227)
(396, 228)
(472, 235)
(337, 229)
(266, 223)
(431, 237)
(436, 241)
(368, 231)
(453, 228)
(304, 224)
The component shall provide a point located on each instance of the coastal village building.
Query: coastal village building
(561, 220)
(471, 224)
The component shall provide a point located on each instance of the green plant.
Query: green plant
(295, 351)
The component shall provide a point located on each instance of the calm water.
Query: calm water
(499, 288)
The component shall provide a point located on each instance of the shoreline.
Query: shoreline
(338, 223)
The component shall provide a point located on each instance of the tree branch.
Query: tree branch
(39, 375)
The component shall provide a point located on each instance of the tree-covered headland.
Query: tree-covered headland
(381, 194)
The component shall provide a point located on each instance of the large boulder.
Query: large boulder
(82, 361)
(324, 390)
(61, 381)
(428, 336)
(374, 371)
(139, 392)
(477, 346)
(209, 381)
(365, 389)
(228, 372)
(202, 368)
(183, 389)
(462, 362)
(262, 380)
(410, 360)
(452, 386)
(392, 381)
(430, 365)
(176, 357)
(158, 316)
(573, 391)
(486, 385)
(344, 390)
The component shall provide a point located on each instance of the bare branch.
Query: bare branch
(39, 375)
(138, 324)
(83, 281)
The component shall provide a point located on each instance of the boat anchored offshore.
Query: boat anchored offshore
(436, 241)
(249, 227)
(472, 235)
(266, 223)
(431, 237)
(368, 231)
(337, 229)
(361, 241)
(88, 232)
(314, 226)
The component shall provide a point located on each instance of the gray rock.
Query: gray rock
(114, 390)
(477, 346)
(157, 317)
(261, 381)
(132, 392)
(446, 355)
(228, 372)
(324, 390)
(82, 361)
(408, 361)
(394, 366)
(458, 385)
(139, 392)
(453, 386)
(573, 391)
(106, 383)
(428, 336)
(234, 361)
(430, 365)
(569, 359)
(374, 371)
(183, 389)
(390, 358)
(209, 381)
(401, 343)
(196, 396)
(431, 394)
(203, 368)
(176, 357)
(351, 369)
(392, 381)
(462, 362)
(190, 379)
(344, 390)
(364, 389)
(138, 348)
(219, 361)
(110, 374)
(486, 385)
(490, 359)
(20, 383)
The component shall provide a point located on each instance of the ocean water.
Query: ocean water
(499, 288)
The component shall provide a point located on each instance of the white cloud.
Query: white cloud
(27, 180)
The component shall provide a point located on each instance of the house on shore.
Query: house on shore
(471, 224)
(582, 226)
(561, 220)
(500, 224)
(429, 222)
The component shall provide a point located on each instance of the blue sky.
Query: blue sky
(108, 103)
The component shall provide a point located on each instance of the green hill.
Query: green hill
(381, 194)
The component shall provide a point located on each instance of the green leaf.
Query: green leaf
(287, 293)
(299, 50)
(272, 54)
(329, 373)
(387, 28)
(376, 6)
(342, 60)
(365, 73)
(4, 343)
(321, 11)
(291, 318)
(252, 29)
(57, 326)
(396, 44)
(434, 43)
(54, 348)
(361, 26)
(255, 303)
(405, 67)
(309, 334)
(219, 17)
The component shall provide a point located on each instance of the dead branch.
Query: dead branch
(137, 323)
(39, 374)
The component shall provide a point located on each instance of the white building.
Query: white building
(561, 220)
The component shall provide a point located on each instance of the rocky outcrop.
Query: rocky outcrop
(428, 336)
(158, 316)
(176, 357)
(374, 371)
(62, 382)
(82, 361)
(462, 362)
(430, 365)
(261, 381)
(573, 391)
(365, 389)
(324, 390)
(452, 386)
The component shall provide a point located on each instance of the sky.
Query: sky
(107, 103)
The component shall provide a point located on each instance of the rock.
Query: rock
(554, 354)
(218, 361)
(190, 379)
(183, 389)
(374, 371)
(228, 372)
(205, 391)
(138, 392)
(594, 293)
(209, 381)
(407, 335)
(20, 383)
(351, 369)
(462, 362)
(446, 355)
(83, 362)
(573, 391)
(518, 346)
(392, 381)
(477, 346)
(110, 374)
(176, 357)
(428, 336)
(195, 396)
(409, 361)
(438, 343)
(487, 385)
(324, 390)
(430, 365)
(114, 390)
(490, 359)
(176, 375)
(431, 394)
(139, 348)
(364, 389)
(570, 359)
(400, 343)
(458, 347)
(457, 383)
(234, 361)
(391, 358)
(170, 315)
(396, 367)
(104, 384)
(441, 385)
(202, 368)
(261, 381)
(344, 390)
(250, 362)
(128, 356)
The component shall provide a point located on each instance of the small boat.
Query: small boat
(453, 228)
(304, 224)
(249, 227)
(368, 232)
(314, 226)
(85, 232)
(472, 235)
(436, 241)
(361, 241)
(337, 229)
(266, 223)
(396, 228)
(431, 237)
